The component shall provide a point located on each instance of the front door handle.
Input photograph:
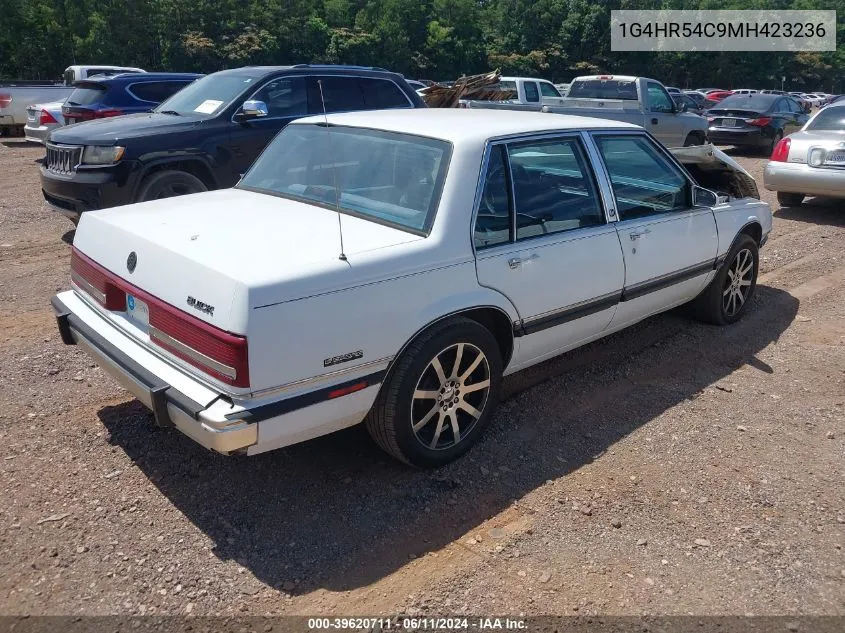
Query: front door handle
(637, 234)
(654, 121)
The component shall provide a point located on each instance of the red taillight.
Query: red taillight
(46, 118)
(781, 151)
(210, 349)
(5, 99)
(763, 121)
(96, 282)
(204, 346)
(104, 114)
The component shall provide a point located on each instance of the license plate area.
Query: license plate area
(836, 157)
(729, 123)
(138, 312)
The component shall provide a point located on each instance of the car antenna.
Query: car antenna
(342, 255)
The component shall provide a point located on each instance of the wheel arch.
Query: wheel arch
(195, 166)
(490, 316)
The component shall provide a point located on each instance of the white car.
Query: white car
(392, 266)
(41, 119)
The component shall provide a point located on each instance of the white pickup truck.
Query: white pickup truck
(529, 94)
(392, 266)
(17, 96)
(638, 100)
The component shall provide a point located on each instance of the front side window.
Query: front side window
(548, 90)
(387, 177)
(553, 188)
(658, 99)
(531, 93)
(644, 182)
(284, 97)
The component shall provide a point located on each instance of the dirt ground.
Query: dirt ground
(674, 468)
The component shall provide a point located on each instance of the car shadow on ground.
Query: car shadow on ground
(336, 513)
(826, 211)
(67, 238)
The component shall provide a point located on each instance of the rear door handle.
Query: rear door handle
(514, 262)
(637, 234)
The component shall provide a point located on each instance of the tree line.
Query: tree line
(428, 39)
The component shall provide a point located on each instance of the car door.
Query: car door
(798, 117)
(662, 119)
(543, 240)
(669, 245)
(286, 99)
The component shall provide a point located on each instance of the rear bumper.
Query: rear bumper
(90, 189)
(726, 136)
(37, 134)
(801, 178)
(204, 423)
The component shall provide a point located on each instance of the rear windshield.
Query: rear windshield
(603, 89)
(754, 103)
(829, 119)
(387, 177)
(208, 96)
(87, 94)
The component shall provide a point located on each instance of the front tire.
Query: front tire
(786, 199)
(440, 395)
(694, 138)
(168, 184)
(726, 298)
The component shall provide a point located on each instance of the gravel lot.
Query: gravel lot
(673, 468)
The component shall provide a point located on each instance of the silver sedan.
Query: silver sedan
(810, 162)
(41, 119)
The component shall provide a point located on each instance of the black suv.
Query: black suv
(205, 136)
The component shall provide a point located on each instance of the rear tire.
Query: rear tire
(786, 199)
(726, 298)
(440, 394)
(168, 184)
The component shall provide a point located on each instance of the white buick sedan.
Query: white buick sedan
(390, 267)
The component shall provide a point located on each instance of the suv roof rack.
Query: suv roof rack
(341, 66)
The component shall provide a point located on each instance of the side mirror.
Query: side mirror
(682, 107)
(252, 110)
(702, 197)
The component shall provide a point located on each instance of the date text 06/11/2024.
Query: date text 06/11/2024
(417, 624)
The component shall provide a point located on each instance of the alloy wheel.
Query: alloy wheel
(738, 282)
(450, 396)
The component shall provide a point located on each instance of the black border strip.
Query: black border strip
(659, 283)
(281, 407)
(565, 315)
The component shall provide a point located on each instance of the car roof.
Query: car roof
(136, 78)
(461, 125)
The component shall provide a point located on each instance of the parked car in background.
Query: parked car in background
(689, 103)
(810, 162)
(529, 93)
(834, 99)
(757, 121)
(744, 91)
(289, 332)
(122, 94)
(718, 95)
(636, 100)
(802, 100)
(205, 136)
(41, 119)
(17, 96)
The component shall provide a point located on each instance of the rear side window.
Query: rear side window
(380, 94)
(87, 94)
(531, 93)
(340, 94)
(493, 222)
(156, 91)
(553, 188)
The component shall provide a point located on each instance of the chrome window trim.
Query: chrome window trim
(79, 283)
